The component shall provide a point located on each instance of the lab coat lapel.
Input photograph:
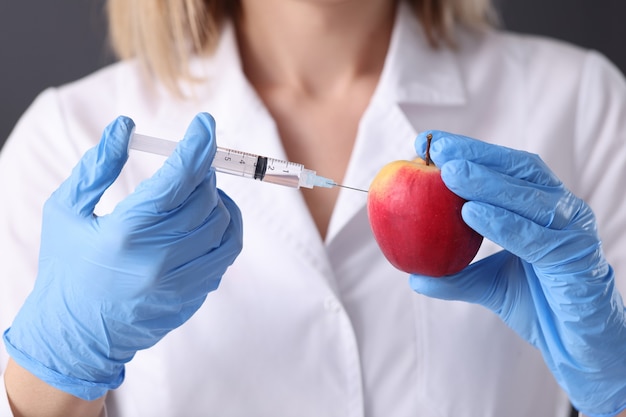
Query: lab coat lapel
(414, 75)
(243, 123)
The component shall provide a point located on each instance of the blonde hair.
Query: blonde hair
(165, 34)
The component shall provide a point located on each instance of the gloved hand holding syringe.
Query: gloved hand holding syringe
(243, 164)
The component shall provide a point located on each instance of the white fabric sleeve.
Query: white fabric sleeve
(5, 409)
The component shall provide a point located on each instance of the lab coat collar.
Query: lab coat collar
(414, 74)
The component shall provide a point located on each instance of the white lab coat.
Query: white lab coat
(303, 327)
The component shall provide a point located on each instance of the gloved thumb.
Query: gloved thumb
(97, 169)
(479, 283)
(182, 172)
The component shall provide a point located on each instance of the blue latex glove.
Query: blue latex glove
(551, 284)
(112, 285)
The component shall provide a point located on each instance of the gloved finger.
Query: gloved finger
(446, 147)
(191, 267)
(189, 215)
(97, 169)
(479, 283)
(198, 275)
(526, 239)
(205, 237)
(181, 173)
(547, 205)
(136, 237)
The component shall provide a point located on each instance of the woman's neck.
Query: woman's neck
(315, 48)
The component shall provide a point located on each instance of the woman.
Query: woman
(310, 319)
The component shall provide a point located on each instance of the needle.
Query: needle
(350, 188)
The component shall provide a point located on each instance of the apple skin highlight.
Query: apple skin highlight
(416, 220)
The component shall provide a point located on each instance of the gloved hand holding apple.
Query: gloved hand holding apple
(551, 283)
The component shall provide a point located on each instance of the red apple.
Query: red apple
(416, 220)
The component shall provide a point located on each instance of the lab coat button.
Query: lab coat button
(332, 305)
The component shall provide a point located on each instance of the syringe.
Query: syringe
(243, 164)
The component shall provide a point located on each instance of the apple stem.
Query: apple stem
(429, 139)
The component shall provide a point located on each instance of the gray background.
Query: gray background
(49, 42)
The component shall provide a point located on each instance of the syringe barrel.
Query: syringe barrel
(242, 164)
(283, 173)
(237, 163)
